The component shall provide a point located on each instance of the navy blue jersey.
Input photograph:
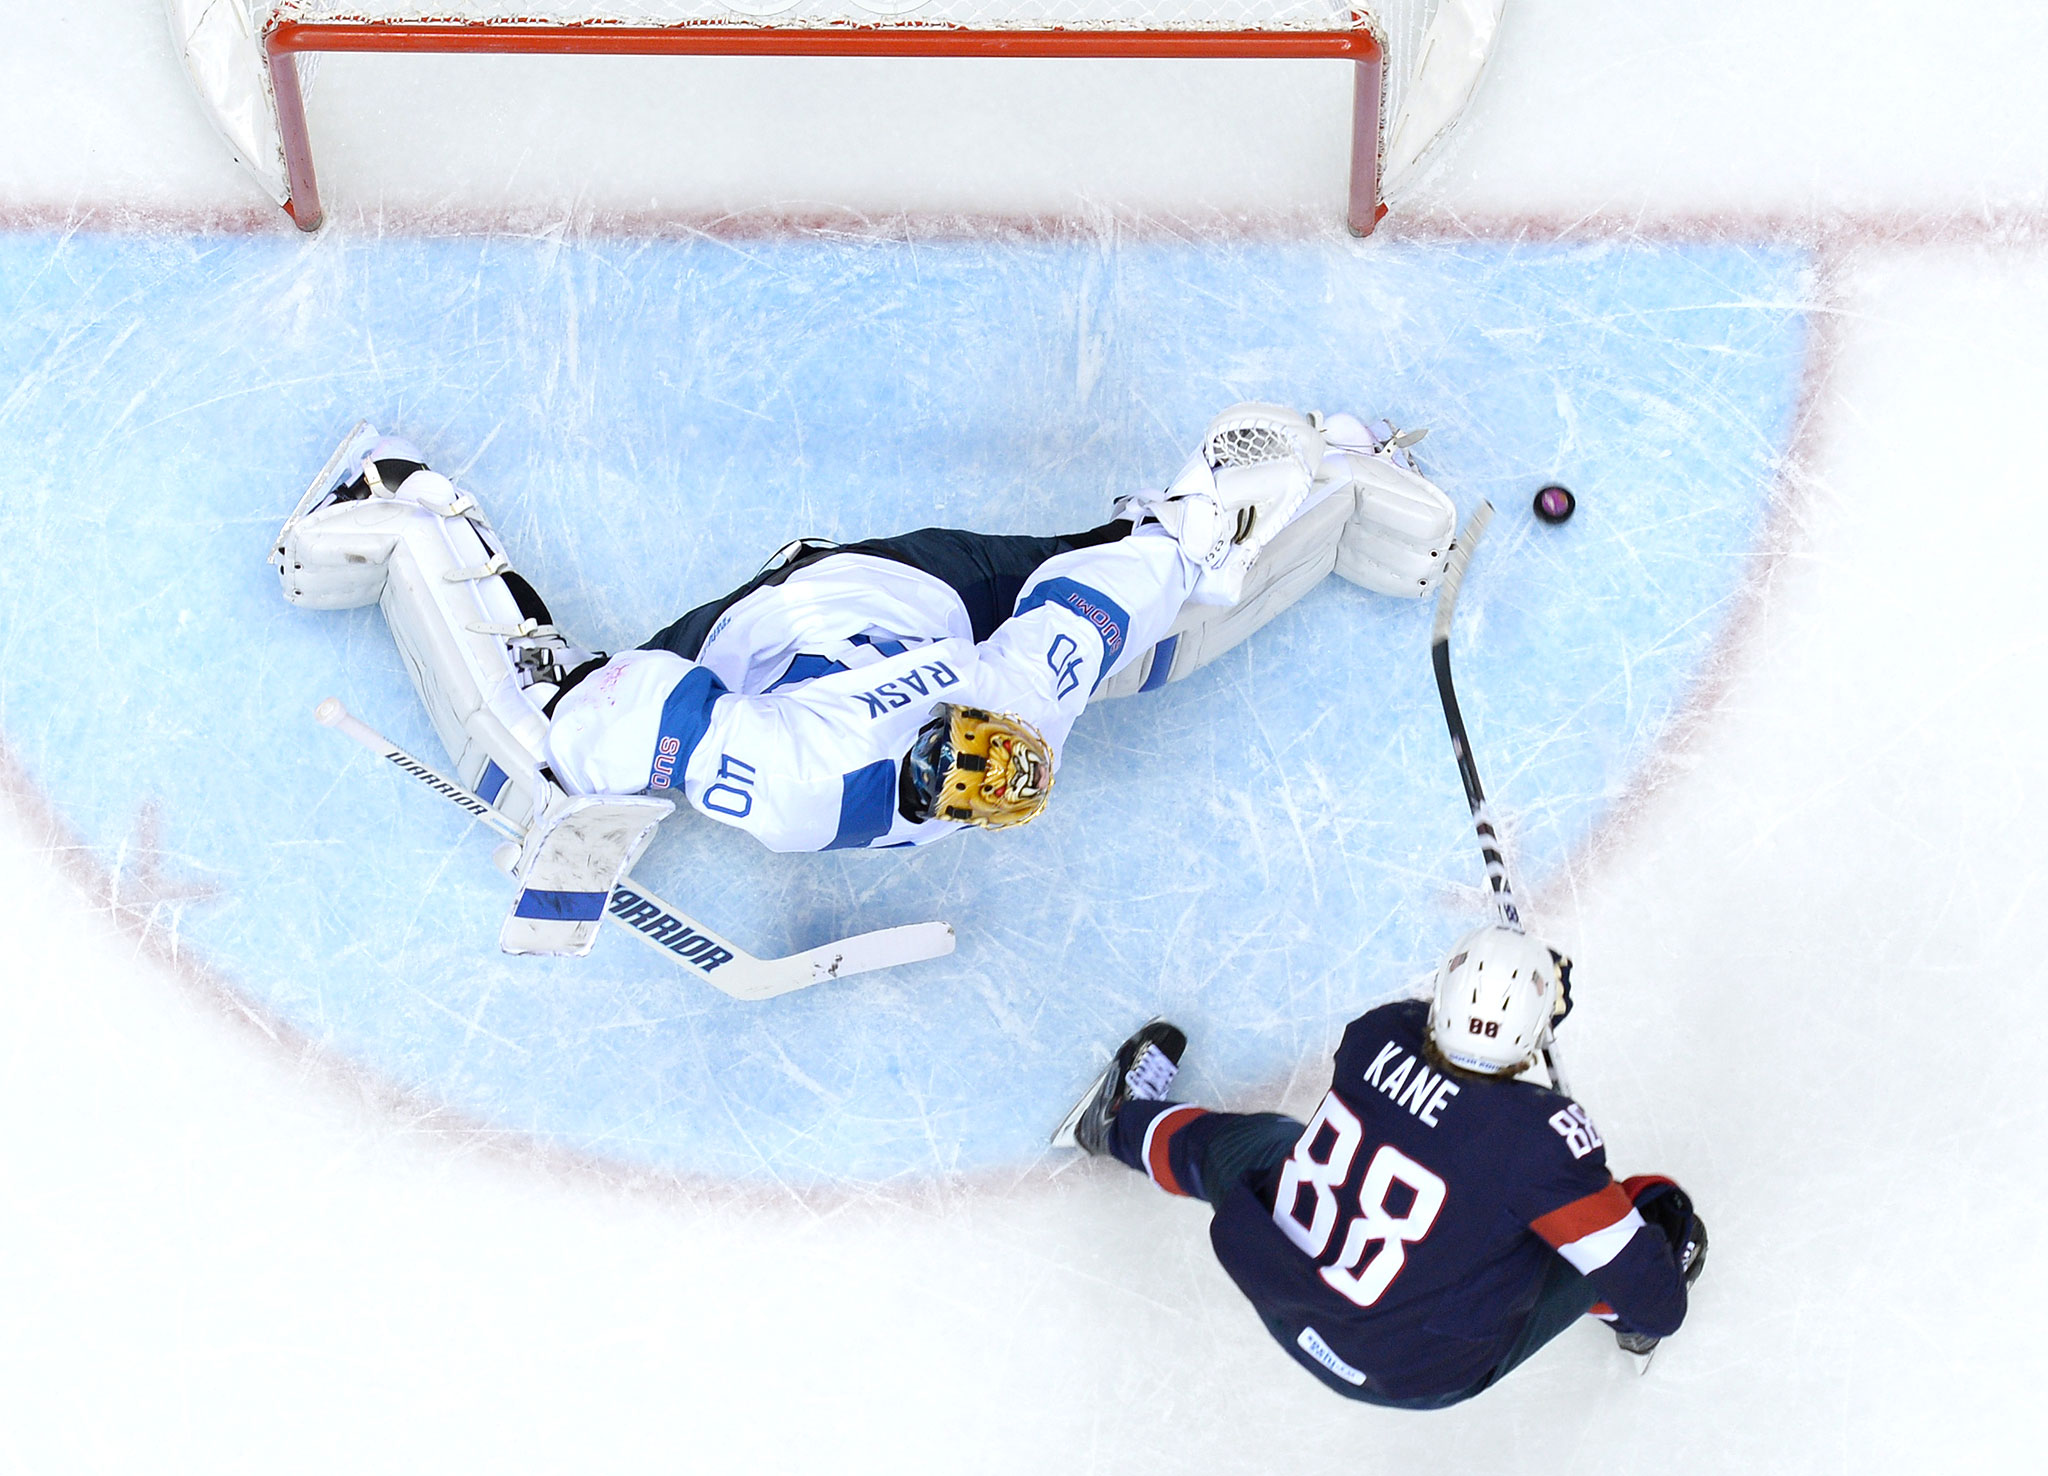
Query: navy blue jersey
(1402, 1246)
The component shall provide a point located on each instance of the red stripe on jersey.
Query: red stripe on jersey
(1583, 1217)
(1159, 1140)
(1635, 1184)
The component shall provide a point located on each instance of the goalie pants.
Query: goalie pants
(1191, 1151)
(987, 571)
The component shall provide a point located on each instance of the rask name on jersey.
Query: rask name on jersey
(793, 721)
(924, 681)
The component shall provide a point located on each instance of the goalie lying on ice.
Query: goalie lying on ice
(880, 693)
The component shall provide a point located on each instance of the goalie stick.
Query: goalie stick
(687, 942)
(1468, 772)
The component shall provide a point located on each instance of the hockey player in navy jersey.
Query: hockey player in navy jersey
(882, 693)
(1437, 1220)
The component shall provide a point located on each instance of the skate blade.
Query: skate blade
(1063, 1136)
(362, 434)
(1641, 1360)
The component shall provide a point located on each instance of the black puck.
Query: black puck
(1555, 504)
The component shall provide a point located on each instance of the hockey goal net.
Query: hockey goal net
(1416, 61)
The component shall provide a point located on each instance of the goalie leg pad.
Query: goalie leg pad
(478, 643)
(1399, 537)
(1293, 563)
(573, 855)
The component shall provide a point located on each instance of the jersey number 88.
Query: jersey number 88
(1362, 1279)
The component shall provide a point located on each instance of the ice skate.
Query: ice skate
(1143, 1071)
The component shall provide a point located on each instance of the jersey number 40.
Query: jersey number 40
(1321, 1166)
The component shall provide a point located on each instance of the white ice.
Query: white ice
(217, 1257)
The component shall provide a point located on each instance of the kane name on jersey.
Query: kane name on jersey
(1403, 1243)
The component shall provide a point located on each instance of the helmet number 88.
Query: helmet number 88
(1364, 1279)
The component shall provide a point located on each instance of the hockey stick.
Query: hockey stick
(721, 962)
(1468, 772)
(331, 714)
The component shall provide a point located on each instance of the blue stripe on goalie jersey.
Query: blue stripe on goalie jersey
(684, 718)
(803, 669)
(867, 805)
(1109, 620)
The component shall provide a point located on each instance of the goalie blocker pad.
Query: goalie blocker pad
(570, 861)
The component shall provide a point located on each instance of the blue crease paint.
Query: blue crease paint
(1259, 852)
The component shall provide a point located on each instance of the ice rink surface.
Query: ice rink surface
(304, 1176)
(1249, 851)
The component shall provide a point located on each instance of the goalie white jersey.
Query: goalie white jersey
(794, 720)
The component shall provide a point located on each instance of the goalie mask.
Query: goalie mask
(982, 768)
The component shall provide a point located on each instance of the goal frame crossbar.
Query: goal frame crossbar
(283, 43)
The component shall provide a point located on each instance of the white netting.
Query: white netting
(1249, 445)
(218, 40)
(1401, 24)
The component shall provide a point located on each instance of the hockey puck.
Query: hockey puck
(1555, 504)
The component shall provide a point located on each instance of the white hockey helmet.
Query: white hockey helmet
(1495, 997)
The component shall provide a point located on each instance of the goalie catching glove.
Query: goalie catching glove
(1250, 476)
(1261, 465)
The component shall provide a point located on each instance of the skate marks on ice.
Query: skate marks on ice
(1260, 851)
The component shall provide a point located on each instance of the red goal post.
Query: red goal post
(243, 54)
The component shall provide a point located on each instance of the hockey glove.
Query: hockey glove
(1563, 1006)
(1668, 1208)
